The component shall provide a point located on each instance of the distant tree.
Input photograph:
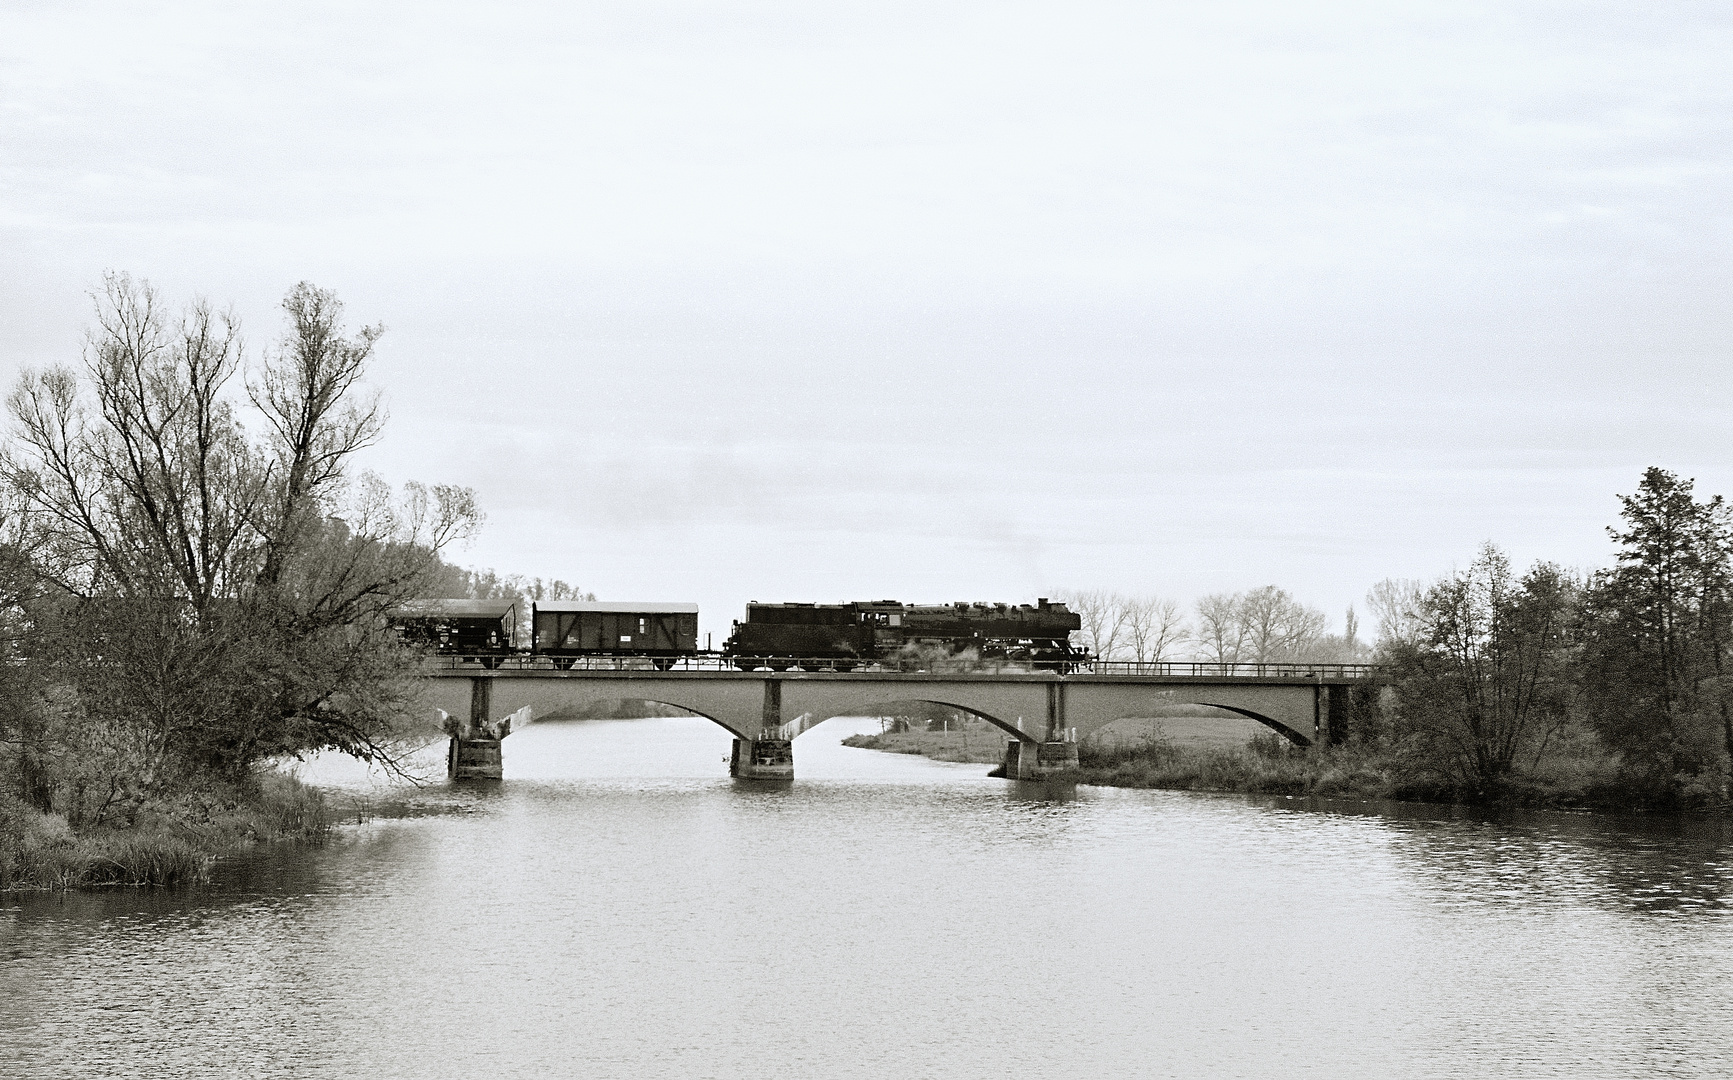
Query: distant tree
(1103, 615)
(1395, 604)
(1155, 628)
(452, 582)
(1262, 626)
(1488, 678)
(1221, 628)
(1656, 637)
(1344, 648)
(1276, 626)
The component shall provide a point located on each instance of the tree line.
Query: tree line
(1497, 678)
(1614, 686)
(1266, 625)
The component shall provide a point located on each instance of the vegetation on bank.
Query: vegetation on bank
(186, 597)
(1269, 765)
(1548, 687)
(169, 841)
(977, 743)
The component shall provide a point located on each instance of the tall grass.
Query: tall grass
(1262, 766)
(39, 851)
(172, 843)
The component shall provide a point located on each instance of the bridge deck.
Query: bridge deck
(714, 667)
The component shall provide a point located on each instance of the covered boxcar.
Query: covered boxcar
(483, 629)
(565, 629)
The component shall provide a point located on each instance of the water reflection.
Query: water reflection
(1659, 864)
(620, 907)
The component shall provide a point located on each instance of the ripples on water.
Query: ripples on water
(619, 907)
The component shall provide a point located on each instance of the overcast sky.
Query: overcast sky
(936, 301)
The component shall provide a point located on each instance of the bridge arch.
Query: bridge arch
(1276, 726)
(578, 706)
(815, 717)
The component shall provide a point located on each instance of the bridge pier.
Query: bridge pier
(770, 756)
(762, 759)
(476, 751)
(1039, 761)
(1054, 756)
(475, 759)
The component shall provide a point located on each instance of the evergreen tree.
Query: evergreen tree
(1655, 636)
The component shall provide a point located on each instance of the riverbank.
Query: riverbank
(1264, 765)
(168, 843)
(1263, 768)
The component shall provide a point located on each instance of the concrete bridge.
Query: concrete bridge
(1043, 714)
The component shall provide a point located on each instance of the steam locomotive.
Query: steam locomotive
(840, 637)
(885, 631)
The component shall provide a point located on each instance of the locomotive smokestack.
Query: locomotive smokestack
(1042, 602)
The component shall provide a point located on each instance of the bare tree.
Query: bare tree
(145, 484)
(308, 394)
(231, 592)
(1154, 627)
(1262, 626)
(1398, 606)
(1103, 615)
(1277, 627)
(1487, 682)
(1221, 632)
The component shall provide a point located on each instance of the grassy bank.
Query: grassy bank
(1197, 757)
(976, 745)
(1263, 766)
(1184, 764)
(167, 843)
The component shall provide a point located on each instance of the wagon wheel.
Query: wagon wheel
(662, 663)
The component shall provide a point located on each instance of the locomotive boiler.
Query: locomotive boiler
(843, 636)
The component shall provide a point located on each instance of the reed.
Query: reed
(173, 843)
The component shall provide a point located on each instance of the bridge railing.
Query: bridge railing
(1211, 669)
(716, 662)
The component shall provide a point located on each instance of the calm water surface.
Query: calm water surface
(620, 908)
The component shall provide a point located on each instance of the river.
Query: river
(620, 908)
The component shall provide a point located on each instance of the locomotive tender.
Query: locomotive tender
(779, 636)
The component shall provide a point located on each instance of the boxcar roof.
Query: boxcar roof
(480, 608)
(614, 606)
